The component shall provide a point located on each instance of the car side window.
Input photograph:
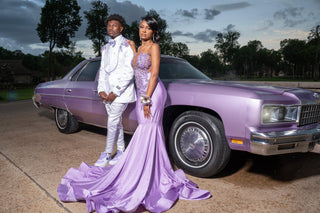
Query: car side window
(88, 72)
(179, 69)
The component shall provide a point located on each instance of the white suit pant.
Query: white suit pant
(115, 128)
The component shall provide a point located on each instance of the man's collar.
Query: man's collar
(118, 38)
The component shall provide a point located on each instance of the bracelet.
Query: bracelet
(145, 100)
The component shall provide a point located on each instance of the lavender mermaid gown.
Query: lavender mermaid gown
(143, 175)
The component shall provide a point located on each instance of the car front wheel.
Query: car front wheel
(198, 145)
(65, 122)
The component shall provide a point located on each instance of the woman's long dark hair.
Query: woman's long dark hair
(153, 24)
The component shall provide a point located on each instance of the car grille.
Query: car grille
(310, 114)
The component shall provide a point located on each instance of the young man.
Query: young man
(115, 86)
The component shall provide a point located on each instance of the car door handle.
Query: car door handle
(68, 90)
(95, 91)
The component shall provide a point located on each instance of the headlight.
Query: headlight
(279, 114)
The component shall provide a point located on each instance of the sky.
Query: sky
(195, 23)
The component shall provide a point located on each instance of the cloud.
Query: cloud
(266, 25)
(205, 36)
(179, 33)
(290, 16)
(234, 6)
(229, 28)
(131, 12)
(19, 21)
(211, 13)
(217, 9)
(189, 14)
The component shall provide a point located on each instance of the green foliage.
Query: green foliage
(97, 30)
(59, 21)
(210, 64)
(227, 45)
(314, 41)
(132, 32)
(16, 94)
(63, 62)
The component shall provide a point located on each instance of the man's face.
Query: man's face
(114, 28)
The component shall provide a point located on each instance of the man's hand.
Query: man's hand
(111, 97)
(103, 95)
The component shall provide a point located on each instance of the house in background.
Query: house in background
(13, 72)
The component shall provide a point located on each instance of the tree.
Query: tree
(97, 30)
(227, 45)
(293, 51)
(179, 49)
(59, 21)
(314, 37)
(132, 32)
(247, 58)
(6, 54)
(210, 64)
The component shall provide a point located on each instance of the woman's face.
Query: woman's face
(145, 31)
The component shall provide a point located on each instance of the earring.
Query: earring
(152, 37)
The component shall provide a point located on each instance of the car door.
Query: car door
(81, 96)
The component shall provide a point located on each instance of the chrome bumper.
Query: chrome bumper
(273, 143)
(36, 100)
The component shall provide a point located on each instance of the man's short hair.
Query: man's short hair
(118, 18)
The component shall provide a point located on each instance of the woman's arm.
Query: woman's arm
(155, 64)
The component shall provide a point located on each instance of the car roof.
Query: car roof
(162, 57)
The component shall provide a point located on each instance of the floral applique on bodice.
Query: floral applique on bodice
(142, 75)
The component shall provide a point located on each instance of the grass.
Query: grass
(16, 95)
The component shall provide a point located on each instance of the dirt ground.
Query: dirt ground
(34, 156)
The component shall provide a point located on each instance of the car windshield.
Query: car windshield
(174, 68)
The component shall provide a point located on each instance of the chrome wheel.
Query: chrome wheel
(193, 144)
(62, 118)
(65, 122)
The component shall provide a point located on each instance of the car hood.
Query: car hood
(247, 89)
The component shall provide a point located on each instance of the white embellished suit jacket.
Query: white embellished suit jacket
(116, 73)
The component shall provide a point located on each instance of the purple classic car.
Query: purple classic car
(203, 120)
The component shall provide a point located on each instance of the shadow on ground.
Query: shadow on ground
(285, 167)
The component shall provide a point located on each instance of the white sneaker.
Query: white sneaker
(103, 159)
(116, 158)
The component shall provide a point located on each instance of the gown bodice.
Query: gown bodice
(141, 71)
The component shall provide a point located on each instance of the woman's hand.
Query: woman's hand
(146, 111)
(132, 45)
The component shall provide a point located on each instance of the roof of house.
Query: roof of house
(14, 66)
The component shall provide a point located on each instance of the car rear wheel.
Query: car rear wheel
(65, 122)
(198, 145)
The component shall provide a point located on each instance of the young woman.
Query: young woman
(143, 176)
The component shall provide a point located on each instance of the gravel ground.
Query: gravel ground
(34, 156)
